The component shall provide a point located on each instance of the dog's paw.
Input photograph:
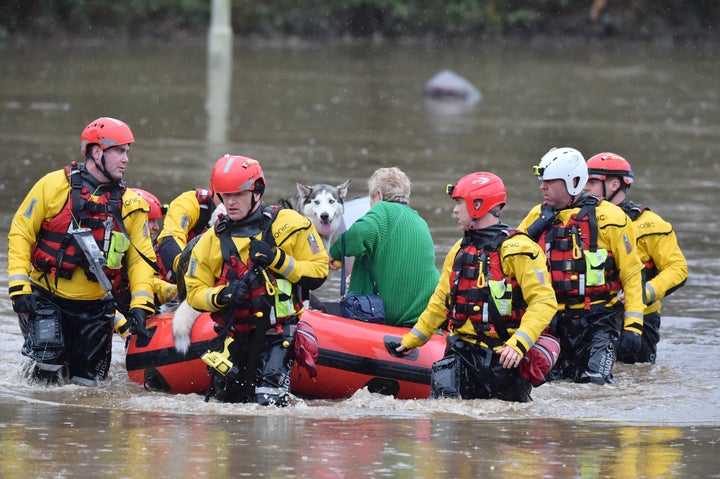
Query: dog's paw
(182, 344)
(182, 325)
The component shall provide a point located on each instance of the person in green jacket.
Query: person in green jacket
(399, 248)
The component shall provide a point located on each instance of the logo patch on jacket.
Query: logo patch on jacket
(540, 276)
(184, 222)
(312, 241)
(29, 211)
(628, 245)
(192, 267)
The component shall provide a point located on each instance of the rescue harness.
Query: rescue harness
(481, 293)
(581, 272)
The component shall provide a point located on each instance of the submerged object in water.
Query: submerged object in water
(449, 86)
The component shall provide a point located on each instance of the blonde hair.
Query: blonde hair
(392, 183)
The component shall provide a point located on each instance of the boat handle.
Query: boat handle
(393, 342)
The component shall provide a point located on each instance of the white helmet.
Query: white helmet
(565, 164)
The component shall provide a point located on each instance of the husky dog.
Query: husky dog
(323, 205)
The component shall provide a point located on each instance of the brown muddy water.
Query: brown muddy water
(324, 113)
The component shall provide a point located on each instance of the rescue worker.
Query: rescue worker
(72, 237)
(249, 271)
(156, 213)
(187, 216)
(164, 292)
(494, 293)
(610, 177)
(591, 253)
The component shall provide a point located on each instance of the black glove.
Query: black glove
(23, 303)
(136, 318)
(262, 253)
(629, 344)
(235, 292)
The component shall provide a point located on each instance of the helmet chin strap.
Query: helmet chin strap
(612, 195)
(101, 167)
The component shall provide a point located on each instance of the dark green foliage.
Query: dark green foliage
(360, 18)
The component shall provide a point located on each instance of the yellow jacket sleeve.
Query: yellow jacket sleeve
(140, 273)
(182, 216)
(617, 234)
(204, 270)
(164, 291)
(656, 242)
(43, 202)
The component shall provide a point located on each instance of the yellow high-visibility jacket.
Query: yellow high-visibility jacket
(617, 235)
(304, 262)
(46, 199)
(522, 259)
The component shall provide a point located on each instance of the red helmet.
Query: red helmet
(485, 187)
(105, 132)
(607, 164)
(157, 209)
(233, 174)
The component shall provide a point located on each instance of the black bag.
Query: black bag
(363, 307)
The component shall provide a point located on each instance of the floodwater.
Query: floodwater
(326, 113)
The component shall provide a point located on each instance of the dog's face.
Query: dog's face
(323, 205)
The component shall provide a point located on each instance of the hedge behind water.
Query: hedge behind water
(673, 19)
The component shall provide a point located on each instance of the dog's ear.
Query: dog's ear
(304, 190)
(343, 187)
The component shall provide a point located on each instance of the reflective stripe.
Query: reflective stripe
(523, 335)
(288, 269)
(144, 294)
(18, 277)
(419, 334)
(268, 390)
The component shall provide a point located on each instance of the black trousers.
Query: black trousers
(64, 333)
(588, 338)
(471, 371)
(264, 368)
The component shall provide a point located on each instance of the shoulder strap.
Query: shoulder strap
(589, 211)
(342, 269)
(206, 209)
(632, 209)
(547, 216)
(227, 247)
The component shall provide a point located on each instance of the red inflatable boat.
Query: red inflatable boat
(352, 355)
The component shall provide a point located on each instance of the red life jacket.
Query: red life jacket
(565, 247)
(56, 252)
(262, 281)
(471, 296)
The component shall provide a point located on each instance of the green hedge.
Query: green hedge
(361, 18)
